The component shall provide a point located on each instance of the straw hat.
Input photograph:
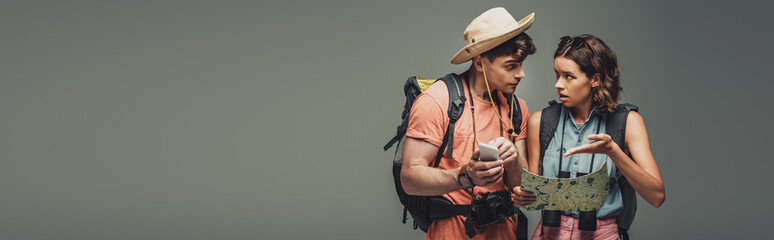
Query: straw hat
(491, 28)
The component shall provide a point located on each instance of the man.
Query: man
(496, 47)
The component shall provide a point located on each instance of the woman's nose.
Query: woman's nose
(559, 85)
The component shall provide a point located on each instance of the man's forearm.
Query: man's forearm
(428, 181)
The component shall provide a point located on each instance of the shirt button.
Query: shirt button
(575, 163)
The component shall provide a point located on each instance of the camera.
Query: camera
(492, 207)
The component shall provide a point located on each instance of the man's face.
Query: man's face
(503, 73)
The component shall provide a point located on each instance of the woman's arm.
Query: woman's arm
(524, 198)
(643, 172)
(513, 166)
(533, 141)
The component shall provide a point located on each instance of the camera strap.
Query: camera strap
(561, 145)
(470, 226)
(588, 219)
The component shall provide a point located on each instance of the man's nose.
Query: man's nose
(519, 74)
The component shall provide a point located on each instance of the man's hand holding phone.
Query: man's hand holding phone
(485, 169)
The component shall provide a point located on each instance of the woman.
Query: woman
(587, 81)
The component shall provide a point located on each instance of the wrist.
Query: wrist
(463, 179)
(463, 169)
(614, 150)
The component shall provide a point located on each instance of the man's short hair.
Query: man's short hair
(519, 47)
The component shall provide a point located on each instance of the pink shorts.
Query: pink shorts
(607, 229)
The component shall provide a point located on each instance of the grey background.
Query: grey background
(265, 119)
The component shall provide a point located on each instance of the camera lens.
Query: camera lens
(499, 210)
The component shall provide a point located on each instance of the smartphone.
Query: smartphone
(488, 152)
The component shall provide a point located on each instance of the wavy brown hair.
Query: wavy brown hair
(594, 57)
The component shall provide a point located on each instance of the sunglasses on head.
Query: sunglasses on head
(574, 42)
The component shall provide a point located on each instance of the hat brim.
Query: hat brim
(479, 47)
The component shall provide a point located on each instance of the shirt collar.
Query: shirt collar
(594, 112)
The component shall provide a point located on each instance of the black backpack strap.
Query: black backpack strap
(411, 90)
(456, 106)
(616, 128)
(442, 208)
(521, 225)
(549, 120)
(616, 123)
(393, 140)
(439, 154)
(516, 111)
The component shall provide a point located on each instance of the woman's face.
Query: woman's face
(573, 86)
